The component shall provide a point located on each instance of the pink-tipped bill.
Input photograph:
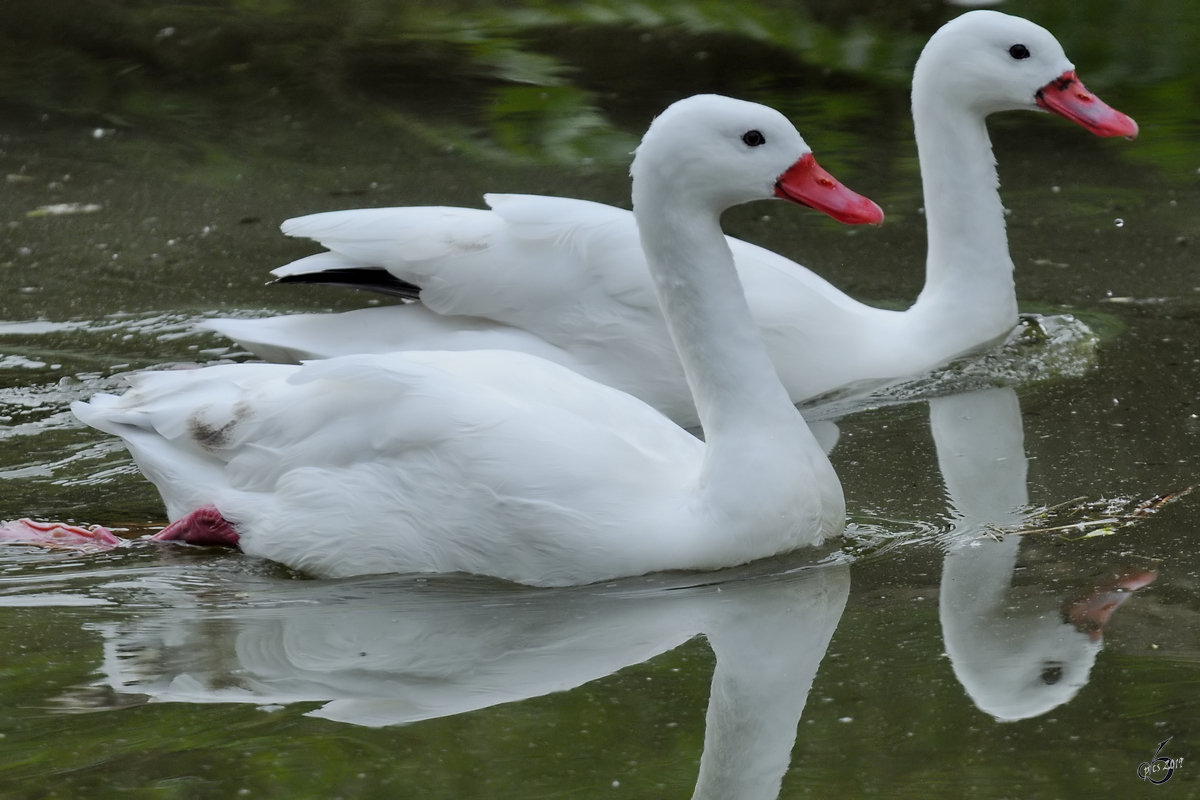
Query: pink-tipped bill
(1068, 97)
(806, 183)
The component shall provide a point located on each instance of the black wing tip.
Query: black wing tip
(370, 279)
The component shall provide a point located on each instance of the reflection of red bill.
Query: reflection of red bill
(806, 183)
(1068, 97)
(1092, 613)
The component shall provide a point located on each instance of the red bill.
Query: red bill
(1068, 97)
(806, 183)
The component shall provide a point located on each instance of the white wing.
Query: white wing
(527, 262)
(565, 280)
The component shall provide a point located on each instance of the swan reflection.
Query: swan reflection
(395, 650)
(1019, 651)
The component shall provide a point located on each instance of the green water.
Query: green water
(198, 128)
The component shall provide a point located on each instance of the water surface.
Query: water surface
(949, 645)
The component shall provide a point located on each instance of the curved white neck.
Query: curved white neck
(733, 380)
(968, 271)
(759, 450)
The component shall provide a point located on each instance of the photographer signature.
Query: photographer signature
(1159, 769)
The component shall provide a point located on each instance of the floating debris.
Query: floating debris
(61, 209)
(1091, 518)
(1135, 301)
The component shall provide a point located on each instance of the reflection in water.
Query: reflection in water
(389, 651)
(1017, 651)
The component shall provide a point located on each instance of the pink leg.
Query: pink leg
(205, 526)
(56, 536)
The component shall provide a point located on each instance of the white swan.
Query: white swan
(1018, 651)
(500, 463)
(566, 280)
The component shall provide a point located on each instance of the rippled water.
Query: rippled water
(1014, 609)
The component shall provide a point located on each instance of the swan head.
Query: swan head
(714, 152)
(988, 61)
(1022, 666)
(1025, 660)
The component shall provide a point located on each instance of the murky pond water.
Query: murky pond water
(1014, 611)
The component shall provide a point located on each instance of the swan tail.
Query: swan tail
(185, 480)
(170, 448)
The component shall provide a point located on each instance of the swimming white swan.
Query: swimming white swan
(566, 279)
(500, 463)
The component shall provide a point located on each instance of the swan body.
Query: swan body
(566, 280)
(502, 463)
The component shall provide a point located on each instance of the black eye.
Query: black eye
(1052, 673)
(1018, 51)
(753, 138)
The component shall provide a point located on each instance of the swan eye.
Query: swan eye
(754, 138)
(1052, 673)
(1018, 51)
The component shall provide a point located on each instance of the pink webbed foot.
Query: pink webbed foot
(205, 526)
(57, 536)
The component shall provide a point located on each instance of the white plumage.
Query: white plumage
(567, 281)
(439, 462)
(501, 463)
